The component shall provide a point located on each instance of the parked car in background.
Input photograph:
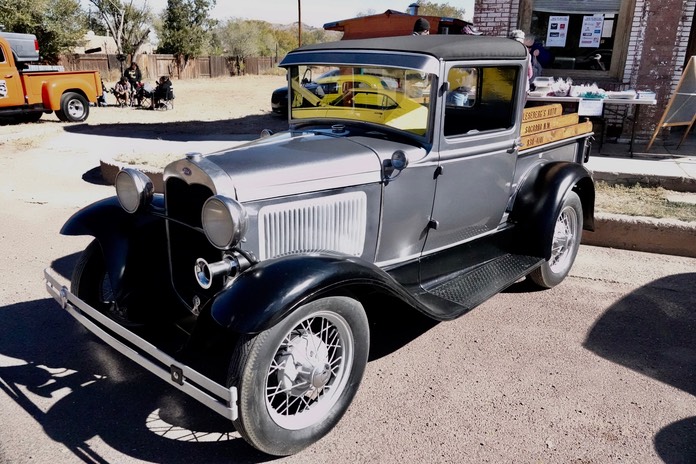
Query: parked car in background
(249, 283)
(596, 59)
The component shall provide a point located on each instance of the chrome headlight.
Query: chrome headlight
(133, 189)
(224, 221)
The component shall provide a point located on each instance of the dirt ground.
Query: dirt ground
(214, 107)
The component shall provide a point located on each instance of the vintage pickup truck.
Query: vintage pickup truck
(25, 96)
(249, 283)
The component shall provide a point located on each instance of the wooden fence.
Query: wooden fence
(153, 66)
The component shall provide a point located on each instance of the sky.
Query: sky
(314, 12)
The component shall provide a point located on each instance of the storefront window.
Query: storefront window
(576, 37)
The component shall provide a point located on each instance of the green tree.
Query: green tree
(127, 22)
(240, 39)
(59, 25)
(440, 9)
(185, 29)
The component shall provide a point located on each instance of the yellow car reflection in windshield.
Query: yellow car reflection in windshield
(379, 106)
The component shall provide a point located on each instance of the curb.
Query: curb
(665, 236)
(678, 184)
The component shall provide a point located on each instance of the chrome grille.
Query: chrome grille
(333, 223)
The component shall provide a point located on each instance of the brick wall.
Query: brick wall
(655, 54)
(496, 17)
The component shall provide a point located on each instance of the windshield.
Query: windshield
(393, 97)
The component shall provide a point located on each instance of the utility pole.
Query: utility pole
(299, 23)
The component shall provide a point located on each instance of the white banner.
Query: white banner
(591, 31)
(557, 32)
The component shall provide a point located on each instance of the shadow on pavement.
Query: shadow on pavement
(109, 396)
(676, 443)
(653, 331)
(46, 353)
(65, 265)
(182, 131)
(394, 325)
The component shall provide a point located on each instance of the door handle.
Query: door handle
(516, 146)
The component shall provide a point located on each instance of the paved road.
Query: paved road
(600, 369)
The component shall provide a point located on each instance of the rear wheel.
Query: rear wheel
(73, 107)
(565, 243)
(296, 380)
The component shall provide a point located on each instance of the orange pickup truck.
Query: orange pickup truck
(26, 95)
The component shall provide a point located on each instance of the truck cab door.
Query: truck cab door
(11, 90)
(477, 155)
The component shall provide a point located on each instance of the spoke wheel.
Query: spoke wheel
(564, 244)
(565, 236)
(296, 379)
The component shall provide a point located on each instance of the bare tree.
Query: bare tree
(128, 23)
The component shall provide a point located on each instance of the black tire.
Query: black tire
(90, 282)
(564, 246)
(61, 116)
(298, 412)
(73, 107)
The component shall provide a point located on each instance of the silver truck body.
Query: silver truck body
(372, 195)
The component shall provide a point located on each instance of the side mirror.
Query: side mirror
(393, 166)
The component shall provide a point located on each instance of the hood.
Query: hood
(290, 163)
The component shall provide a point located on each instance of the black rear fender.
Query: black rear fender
(539, 198)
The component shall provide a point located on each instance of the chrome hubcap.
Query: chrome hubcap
(304, 369)
(75, 108)
(565, 234)
(309, 371)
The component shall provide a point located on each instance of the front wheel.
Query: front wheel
(296, 380)
(565, 243)
(73, 107)
(91, 283)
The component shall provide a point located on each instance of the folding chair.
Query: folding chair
(166, 103)
(145, 95)
(120, 101)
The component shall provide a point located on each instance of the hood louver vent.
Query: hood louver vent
(334, 223)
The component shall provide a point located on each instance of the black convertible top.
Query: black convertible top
(446, 47)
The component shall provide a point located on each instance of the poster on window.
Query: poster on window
(558, 31)
(591, 31)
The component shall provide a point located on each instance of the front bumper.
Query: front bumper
(215, 396)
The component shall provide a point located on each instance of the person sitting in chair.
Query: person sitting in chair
(122, 91)
(162, 92)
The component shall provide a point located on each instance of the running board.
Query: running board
(473, 287)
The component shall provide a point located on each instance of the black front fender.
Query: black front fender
(265, 294)
(116, 231)
(539, 199)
